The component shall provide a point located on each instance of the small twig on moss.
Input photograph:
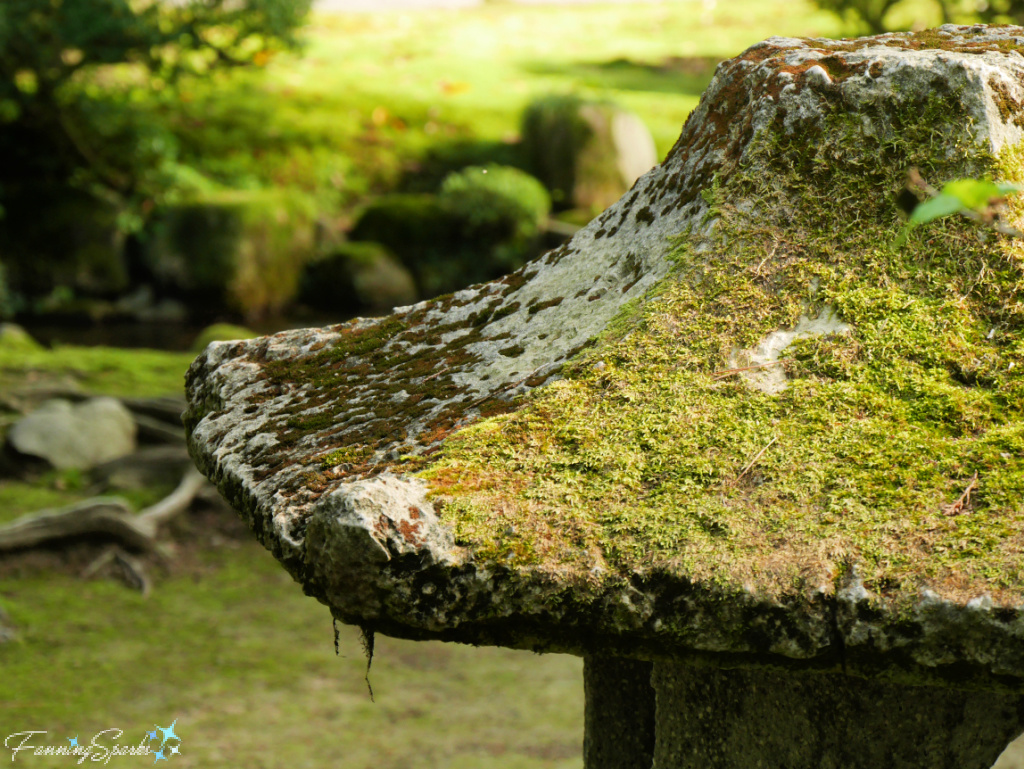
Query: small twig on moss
(730, 371)
(965, 499)
(753, 461)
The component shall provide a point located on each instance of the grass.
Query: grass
(379, 100)
(245, 663)
(99, 370)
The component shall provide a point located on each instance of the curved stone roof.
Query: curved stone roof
(727, 420)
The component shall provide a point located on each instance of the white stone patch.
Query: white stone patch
(764, 368)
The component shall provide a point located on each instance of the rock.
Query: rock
(587, 153)
(357, 276)
(78, 436)
(484, 222)
(156, 431)
(239, 250)
(165, 408)
(568, 458)
(148, 467)
(14, 338)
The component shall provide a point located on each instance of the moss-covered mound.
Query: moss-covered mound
(588, 153)
(729, 419)
(483, 222)
(241, 250)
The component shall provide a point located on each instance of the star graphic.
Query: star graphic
(73, 741)
(174, 749)
(169, 734)
(151, 735)
(159, 756)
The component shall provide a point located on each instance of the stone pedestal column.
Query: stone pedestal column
(619, 717)
(709, 718)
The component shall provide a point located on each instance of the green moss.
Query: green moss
(102, 370)
(653, 453)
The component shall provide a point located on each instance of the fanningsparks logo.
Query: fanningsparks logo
(102, 747)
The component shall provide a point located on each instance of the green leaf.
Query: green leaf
(977, 194)
(935, 208)
(958, 196)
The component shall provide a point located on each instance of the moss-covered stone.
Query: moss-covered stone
(241, 250)
(484, 221)
(587, 153)
(650, 495)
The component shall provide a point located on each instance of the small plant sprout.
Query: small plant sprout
(978, 199)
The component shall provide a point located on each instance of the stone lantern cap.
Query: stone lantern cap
(729, 422)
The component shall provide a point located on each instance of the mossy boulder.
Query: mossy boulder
(13, 338)
(239, 250)
(357, 276)
(587, 153)
(484, 221)
(64, 240)
(221, 332)
(583, 456)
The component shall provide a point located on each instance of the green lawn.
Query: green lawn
(245, 663)
(379, 100)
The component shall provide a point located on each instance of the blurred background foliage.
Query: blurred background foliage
(121, 118)
(73, 72)
(168, 165)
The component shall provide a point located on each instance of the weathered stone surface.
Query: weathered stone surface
(736, 719)
(620, 714)
(542, 462)
(77, 436)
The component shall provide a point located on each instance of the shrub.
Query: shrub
(874, 17)
(65, 120)
(500, 207)
(587, 153)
